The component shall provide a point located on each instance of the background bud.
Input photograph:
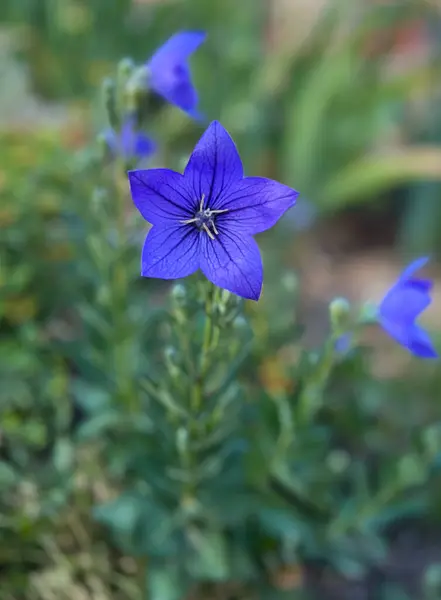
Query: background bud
(339, 312)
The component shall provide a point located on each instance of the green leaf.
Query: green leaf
(139, 525)
(64, 453)
(166, 582)
(91, 398)
(210, 559)
(99, 424)
(8, 477)
(122, 514)
(374, 174)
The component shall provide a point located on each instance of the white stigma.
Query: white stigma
(204, 219)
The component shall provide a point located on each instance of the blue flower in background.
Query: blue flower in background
(129, 143)
(205, 218)
(169, 73)
(401, 306)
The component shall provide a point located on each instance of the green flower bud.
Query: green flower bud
(240, 324)
(179, 294)
(99, 199)
(170, 356)
(368, 313)
(340, 312)
(338, 461)
(110, 101)
(126, 66)
(290, 282)
(136, 88)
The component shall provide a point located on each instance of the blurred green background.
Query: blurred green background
(339, 99)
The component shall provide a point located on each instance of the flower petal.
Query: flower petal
(215, 167)
(404, 302)
(413, 337)
(177, 49)
(233, 263)
(420, 343)
(111, 139)
(169, 74)
(170, 252)
(176, 87)
(144, 146)
(414, 266)
(160, 196)
(255, 205)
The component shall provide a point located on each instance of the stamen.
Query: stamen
(203, 219)
(210, 235)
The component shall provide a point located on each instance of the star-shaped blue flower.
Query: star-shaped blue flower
(205, 218)
(129, 143)
(401, 306)
(169, 73)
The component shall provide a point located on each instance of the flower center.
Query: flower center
(204, 219)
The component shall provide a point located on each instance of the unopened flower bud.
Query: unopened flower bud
(290, 282)
(170, 356)
(102, 141)
(340, 312)
(182, 440)
(179, 294)
(338, 461)
(108, 87)
(368, 313)
(136, 88)
(99, 198)
(432, 580)
(126, 67)
(110, 102)
(240, 323)
(104, 297)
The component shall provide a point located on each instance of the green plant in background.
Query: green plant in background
(199, 430)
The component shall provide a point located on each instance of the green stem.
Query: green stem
(206, 344)
(312, 395)
(144, 579)
(119, 283)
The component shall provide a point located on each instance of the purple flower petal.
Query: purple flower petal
(414, 338)
(170, 252)
(255, 205)
(399, 309)
(177, 49)
(169, 73)
(415, 266)
(160, 196)
(233, 263)
(129, 143)
(215, 167)
(111, 140)
(144, 146)
(420, 343)
(404, 302)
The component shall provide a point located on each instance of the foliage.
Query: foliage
(154, 441)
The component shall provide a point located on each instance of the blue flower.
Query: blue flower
(205, 218)
(401, 306)
(169, 73)
(129, 143)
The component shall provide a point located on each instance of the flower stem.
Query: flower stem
(144, 579)
(123, 376)
(206, 344)
(312, 395)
